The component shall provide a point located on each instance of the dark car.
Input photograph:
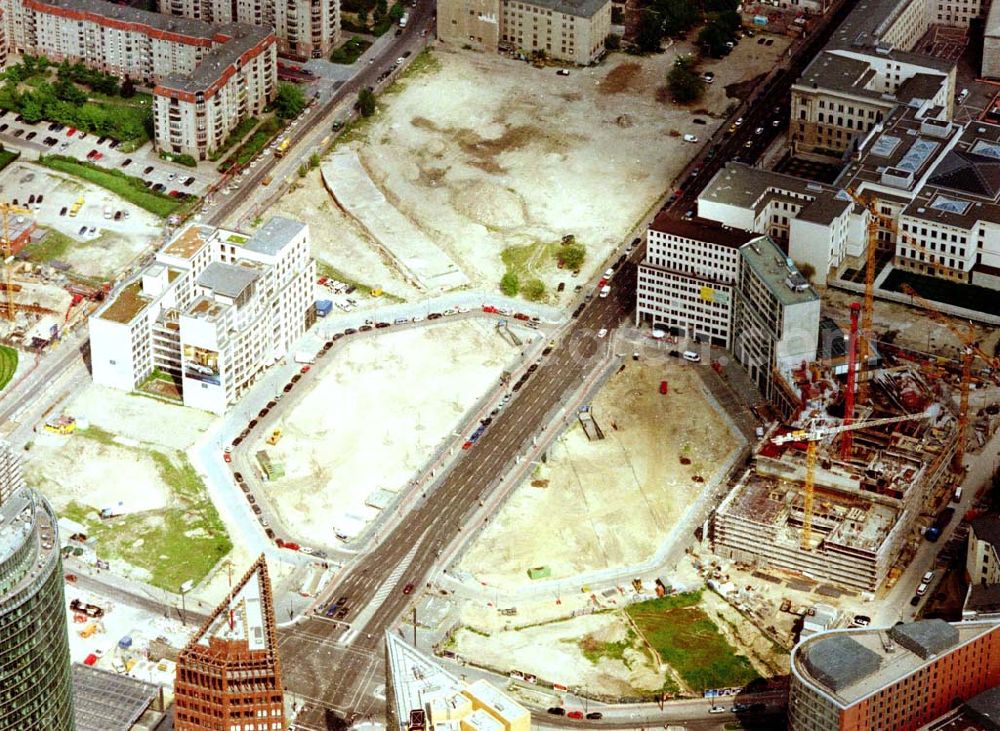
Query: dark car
(189, 181)
(30, 135)
(40, 198)
(595, 716)
(408, 589)
(148, 170)
(237, 475)
(256, 509)
(350, 331)
(250, 499)
(18, 132)
(126, 162)
(159, 187)
(557, 711)
(83, 230)
(914, 601)
(62, 211)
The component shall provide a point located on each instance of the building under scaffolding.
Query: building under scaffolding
(867, 508)
(229, 677)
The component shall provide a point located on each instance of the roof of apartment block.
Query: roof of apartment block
(195, 29)
(865, 26)
(825, 207)
(987, 528)
(702, 229)
(242, 38)
(128, 303)
(274, 235)
(920, 86)
(188, 242)
(579, 8)
(833, 71)
(776, 271)
(840, 662)
(227, 280)
(738, 184)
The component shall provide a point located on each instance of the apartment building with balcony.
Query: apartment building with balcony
(212, 312)
(566, 30)
(304, 28)
(206, 77)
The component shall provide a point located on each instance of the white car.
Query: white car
(922, 589)
(690, 138)
(602, 332)
(716, 709)
(928, 578)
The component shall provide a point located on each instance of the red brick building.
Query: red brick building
(895, 679)
(229, 675)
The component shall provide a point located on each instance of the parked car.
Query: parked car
(595, 716)
(408, 589)
(148, 170)
(690, 138)
(557, 711)
(575, 714)
(861, 620)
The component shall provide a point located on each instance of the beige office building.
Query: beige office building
(564, 30)
(304, 28)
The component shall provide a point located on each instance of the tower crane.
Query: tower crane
(6, 209)
(812, 435)
(868, 306)
(970, 351)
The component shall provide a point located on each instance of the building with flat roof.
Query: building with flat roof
(896, 679)
(36, 684)
(109, 701)
(565, 30)
(206, 77)
(421, 696)
(304, 28)
(229, 675)
(212, 311)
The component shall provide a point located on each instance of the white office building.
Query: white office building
(211, 313)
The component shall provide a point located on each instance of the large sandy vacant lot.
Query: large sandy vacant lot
(609, 502)
(485, 153)
(384, 405)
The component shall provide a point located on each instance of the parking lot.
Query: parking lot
(45, 138)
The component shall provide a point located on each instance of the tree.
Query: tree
(363, 17)
(290, 101)
(650, 32)
(683, 81)
(366, 102)
(572, 255)
(510, 284)
(534, 289)
(713, 39)
(128, 88)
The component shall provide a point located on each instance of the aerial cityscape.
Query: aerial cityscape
(490, 365)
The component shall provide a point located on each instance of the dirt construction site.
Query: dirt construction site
(388, 402)
(487, 155)
(608, 502)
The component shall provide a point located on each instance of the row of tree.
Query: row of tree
(68, 74)
(676, 17)
(67, 104)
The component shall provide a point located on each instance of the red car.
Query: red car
(602, 282)
(71, 131)
(408, 589)
(467, 445)
(305, 369)
(574, 714)
(663, 387)
(489, 309)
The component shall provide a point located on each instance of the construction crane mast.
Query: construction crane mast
(846, 439)
(812, 436)
(8, 256)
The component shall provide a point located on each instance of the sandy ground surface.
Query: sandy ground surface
(138, 417)
(338, 240)
(610, 502)
(484, 153)
(75, 469)
(553, 652)
(111, 247)
(387, 403)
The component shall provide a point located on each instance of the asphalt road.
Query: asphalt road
(308, 647)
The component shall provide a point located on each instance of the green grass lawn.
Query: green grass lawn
(257, 142)
(53, 246)
(181, 542)
(690, 642)
(350, 50)
(7, 157)
(128, 187)
(8, 365)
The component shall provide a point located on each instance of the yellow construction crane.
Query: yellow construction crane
(812, 436)
(6, 210)
(970, 351)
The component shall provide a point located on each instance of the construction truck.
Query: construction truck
(60, 425)
(282, 147)
(274, 437)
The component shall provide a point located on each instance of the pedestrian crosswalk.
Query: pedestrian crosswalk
(387, 587)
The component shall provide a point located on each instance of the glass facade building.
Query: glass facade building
(35, 676)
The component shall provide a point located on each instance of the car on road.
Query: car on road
(922, 589)
(595, 716)
(740, 708)
(557, 711)
(914, 601)
(759, 131)
(408, 589)
(578, 715)
(716, 709)
(602, 332)
(928, 577)
(738, 122)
